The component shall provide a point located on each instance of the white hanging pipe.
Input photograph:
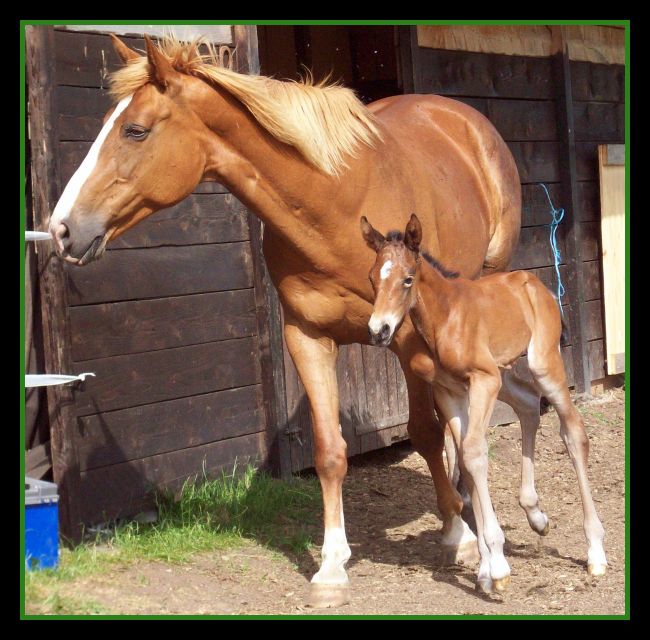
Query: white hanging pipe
(49, 379)
(37, 235)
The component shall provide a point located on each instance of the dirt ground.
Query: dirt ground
(393, 528)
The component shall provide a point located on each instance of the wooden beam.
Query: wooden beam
(269, 324)
(45, 180)
(568, 176)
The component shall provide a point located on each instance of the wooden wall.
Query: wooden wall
(167, 320)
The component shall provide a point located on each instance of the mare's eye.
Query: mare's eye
(408, 282)
(135, 131)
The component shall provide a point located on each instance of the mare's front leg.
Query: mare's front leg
(315, 359)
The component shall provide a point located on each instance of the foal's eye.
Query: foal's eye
(408, 282)
(135, 131)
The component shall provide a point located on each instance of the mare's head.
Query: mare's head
(148, 155)
(177, 114)
(394, 277)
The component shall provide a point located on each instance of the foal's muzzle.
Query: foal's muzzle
(382, 337)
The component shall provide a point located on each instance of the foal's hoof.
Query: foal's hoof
(545, 530)
(501, 584)
(484, 585)
(324, 596)
(596, 570)
(466, 553)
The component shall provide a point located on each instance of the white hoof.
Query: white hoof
(325, 596)
(597, 570)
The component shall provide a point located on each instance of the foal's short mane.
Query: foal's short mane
(325, 122)
(398, 236)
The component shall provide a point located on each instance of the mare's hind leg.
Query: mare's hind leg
(523, 396)
(427, 436)
(548, 369)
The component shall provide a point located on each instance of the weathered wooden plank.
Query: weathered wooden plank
(536, 209)
(270, 337)
(143, 378)
(45, 170)
(574, 241)
(594, 319)
(597, 359)
(591, 276)
(199, 219)
(597, 82)
(480, 104)
(586, 160)
(588, 196)
(612, 188)
(123, 490)
(103, 330)
(536, 161)
(600, 121)
(375, 380)
(114, 437)
(463, 73)
(523, 119)
(295, 395)
(85, 60)
(132, 274)
(347, 399)
(534, 248)
(590, 236)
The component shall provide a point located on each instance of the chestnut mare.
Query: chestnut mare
(306, 159)
(474, 328)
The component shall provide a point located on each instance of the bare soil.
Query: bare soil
(394, 528)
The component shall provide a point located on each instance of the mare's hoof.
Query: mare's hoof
(466, 553)
(324, 596)
(596, 570)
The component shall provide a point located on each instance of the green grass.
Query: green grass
(209, 515)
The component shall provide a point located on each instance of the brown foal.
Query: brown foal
(474, 329)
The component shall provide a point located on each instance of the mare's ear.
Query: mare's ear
(413, 234)
(122, 50)
(161, 70)
(373, 238)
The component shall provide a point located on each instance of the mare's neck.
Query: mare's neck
(298, 202)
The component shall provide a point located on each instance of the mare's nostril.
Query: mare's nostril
(385, 331)
(61, 236)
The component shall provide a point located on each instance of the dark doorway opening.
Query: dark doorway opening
(364, 58)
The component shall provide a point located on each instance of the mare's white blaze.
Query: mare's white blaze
(71, 192)
(386, 269)
(335, 554)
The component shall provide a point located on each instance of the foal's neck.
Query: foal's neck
(434, 297)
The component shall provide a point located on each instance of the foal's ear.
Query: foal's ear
(373, 238)
(122, 50)
(413, 234)
(162, 71)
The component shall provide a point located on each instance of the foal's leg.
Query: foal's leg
(455, 412)
(315, 359)
(548, 368)
(524, 397)
(483, 390)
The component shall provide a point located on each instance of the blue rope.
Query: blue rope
(557, 215)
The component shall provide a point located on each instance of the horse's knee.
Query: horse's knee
(331, 461)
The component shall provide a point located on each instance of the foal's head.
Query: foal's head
(393, 276)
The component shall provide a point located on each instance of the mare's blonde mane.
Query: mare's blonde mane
(325, 122)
